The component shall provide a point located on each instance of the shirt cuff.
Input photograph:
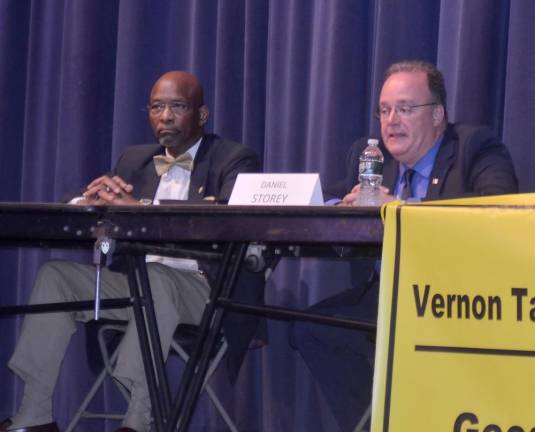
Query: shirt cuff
(76, 200)
(333, 202)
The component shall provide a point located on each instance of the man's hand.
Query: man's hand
(106, 190)
(351, 199)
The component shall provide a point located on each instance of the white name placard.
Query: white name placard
(277, 189)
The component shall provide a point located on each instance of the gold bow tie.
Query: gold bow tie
(164, 163)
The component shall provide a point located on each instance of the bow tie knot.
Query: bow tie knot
(164, 163)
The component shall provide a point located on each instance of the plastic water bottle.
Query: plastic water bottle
(370, 174)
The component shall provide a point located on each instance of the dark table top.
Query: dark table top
(196, 223)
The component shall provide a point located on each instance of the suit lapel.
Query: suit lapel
(144, 179)
(199, 175)
(443, 163)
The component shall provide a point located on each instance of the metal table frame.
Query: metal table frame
(196, 231)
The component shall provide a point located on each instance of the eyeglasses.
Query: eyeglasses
(405, 110)
(177, 108)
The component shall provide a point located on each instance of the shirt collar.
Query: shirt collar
(192, 150)
(424, 166)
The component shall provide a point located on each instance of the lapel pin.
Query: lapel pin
(201, 190)
(434, 181)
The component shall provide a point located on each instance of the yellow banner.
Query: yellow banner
(456, 328)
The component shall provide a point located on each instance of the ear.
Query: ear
(203, 115)
(438, 115)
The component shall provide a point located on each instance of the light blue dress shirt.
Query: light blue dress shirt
(422, 173)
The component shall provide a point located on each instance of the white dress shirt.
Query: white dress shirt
(174, 184)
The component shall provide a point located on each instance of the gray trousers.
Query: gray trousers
(179, 297)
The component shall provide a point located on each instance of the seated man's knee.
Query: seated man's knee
(51, 283)
(160, 278)
(164, 286)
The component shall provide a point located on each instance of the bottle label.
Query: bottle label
(370, 167)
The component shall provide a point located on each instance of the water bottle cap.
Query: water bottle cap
(373, 141)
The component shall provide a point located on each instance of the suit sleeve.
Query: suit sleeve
(342, 187)
(352, 163)
(244, 160)
(491, 171)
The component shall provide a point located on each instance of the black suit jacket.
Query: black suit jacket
(216, 166)
(471, 161)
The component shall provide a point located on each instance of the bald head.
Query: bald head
(184, 82)
(177, 112)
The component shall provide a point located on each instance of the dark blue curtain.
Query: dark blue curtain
(298, 80)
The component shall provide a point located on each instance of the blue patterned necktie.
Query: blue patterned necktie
(406, 191)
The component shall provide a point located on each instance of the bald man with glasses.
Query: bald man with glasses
(184, 164)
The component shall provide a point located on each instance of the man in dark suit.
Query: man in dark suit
(186, 164)
(425, 158)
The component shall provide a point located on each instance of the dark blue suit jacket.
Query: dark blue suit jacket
(470, 162)
(216, 166)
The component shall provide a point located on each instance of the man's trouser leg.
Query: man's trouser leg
(179, 297)
(44, 337)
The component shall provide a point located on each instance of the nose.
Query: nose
(393, 116)
(167, 114)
